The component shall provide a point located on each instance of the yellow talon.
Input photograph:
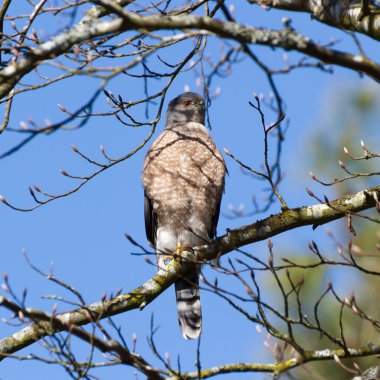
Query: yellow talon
(179, 249)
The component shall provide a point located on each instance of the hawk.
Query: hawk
(183, 180)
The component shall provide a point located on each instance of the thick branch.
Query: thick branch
(372, 373)
(112, 346)
(287, 364)
(146, 293)
(287, 39)
(344, 14)
(3, 11)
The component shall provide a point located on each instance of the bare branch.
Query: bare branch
(287, 39)
(350, 15)
(146, 293)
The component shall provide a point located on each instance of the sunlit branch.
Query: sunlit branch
(235, 238)
(287, 39)
(282, 366)
(350, 15)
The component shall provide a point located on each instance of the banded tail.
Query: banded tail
(189, 306)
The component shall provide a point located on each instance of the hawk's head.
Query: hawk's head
(186, 107)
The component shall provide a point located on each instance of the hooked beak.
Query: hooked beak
(201, 105)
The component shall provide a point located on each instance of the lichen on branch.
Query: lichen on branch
(233, 239)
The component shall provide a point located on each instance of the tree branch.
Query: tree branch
(3, 11)
(344, 14)
(146, 293)
(372, 373)
(287, 364)
(287, 39)
(104, 345)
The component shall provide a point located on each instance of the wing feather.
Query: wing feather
(150, 220)
(215, 214)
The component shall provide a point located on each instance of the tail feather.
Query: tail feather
(189, 307)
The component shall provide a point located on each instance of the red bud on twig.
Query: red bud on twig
(21, 316)
(63, 172)
(62, 108)
(74, 148)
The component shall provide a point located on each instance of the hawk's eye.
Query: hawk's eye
(187, 103)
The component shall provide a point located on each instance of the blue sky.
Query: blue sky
(83, 234)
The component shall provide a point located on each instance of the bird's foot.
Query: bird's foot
(180, 249)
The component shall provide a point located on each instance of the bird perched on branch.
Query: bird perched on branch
(183, 180)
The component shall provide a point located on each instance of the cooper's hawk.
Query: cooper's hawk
(183, 179)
